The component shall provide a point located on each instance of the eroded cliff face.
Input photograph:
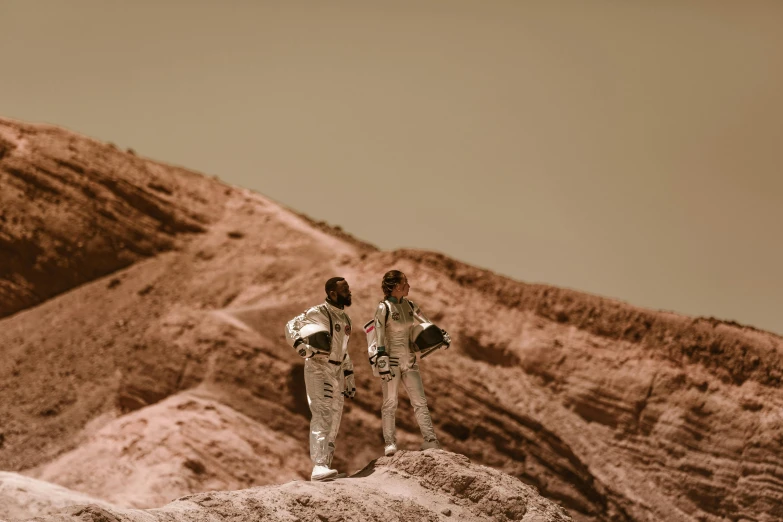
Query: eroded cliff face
(617, 412)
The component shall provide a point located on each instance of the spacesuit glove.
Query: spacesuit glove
(384, 368)
(350, 384)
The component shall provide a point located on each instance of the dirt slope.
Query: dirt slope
(184, 444)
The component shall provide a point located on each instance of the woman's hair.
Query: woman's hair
(391, 279)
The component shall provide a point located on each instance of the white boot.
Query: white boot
(390, 449)
(322, 473)
(428, 444)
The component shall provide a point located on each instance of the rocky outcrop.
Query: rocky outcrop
(433, 485)
(23, 497)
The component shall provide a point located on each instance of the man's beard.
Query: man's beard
(344, 301)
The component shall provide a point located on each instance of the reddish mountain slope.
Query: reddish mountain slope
(619, 413)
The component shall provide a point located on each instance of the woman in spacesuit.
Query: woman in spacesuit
(395, 318)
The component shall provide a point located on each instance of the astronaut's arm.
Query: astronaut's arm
(380, 328)
(347, 365)
(349, 383)
(418, 315)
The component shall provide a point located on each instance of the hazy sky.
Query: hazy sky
(632, 149)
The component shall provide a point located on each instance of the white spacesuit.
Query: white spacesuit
(320, 335)
(394, 326)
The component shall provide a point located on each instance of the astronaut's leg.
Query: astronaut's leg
(388, 411)
(336, 412)
(320, 393)
(411, 379)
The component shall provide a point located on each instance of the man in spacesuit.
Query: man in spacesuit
(320, 336)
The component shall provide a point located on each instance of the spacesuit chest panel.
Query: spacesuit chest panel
(398, 325)
(341, 326)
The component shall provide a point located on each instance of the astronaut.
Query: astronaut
(395, 318)
(320, 336)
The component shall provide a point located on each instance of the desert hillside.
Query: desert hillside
(147, 348)
(74, 209)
